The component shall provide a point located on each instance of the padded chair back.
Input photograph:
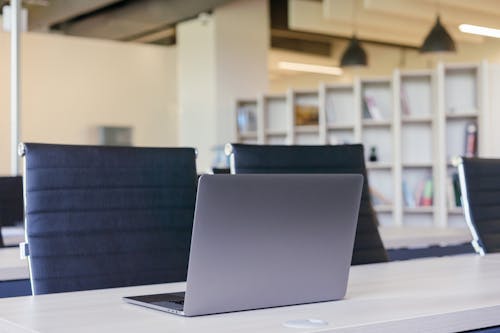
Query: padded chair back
(480, 187)
(11, 202)
(102, 217)
(368, 247)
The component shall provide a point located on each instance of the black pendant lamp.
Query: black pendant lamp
(354, 55)
(438, 40)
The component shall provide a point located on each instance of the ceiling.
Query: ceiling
(307, 26)
(404, 22)
(150, 21)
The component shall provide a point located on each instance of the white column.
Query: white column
(221, 57)
(196, 86)
(15, 94)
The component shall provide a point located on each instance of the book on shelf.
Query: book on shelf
(405, 106)
(408, 197)
(247, 118)
(306, 115)
(378, 198)
(470, 140)
(370, 109)
(422, 196)
(453, 191)
(427, 195)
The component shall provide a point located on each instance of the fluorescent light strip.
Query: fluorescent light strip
(300, 67)
(478, 30)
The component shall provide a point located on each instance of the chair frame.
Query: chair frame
(476, 241)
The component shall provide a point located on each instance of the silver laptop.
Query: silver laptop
(264, 241)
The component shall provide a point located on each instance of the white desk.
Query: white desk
(11, 266)
(420, 237)
(14, 274)
(428, 295)
(13, 235)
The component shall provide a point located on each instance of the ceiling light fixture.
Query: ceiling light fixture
(478, 30)
(354, 55)
(438, 40)
(309, 68)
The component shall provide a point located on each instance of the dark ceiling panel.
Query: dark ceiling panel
(134, 18)
(42, 17)
(302, 45)
(278, 12)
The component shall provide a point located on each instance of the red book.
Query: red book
(471, 140)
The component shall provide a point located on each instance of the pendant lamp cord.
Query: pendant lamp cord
(353, 18)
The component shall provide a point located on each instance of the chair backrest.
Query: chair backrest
(480, 187)
(102, 217)
(11, 201)
(368, 246)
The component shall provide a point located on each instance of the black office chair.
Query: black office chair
(368, 246)
(480, 187)
(11, 202)
(102, 217)
(218, 171)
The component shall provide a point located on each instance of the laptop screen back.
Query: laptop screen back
(271, 240)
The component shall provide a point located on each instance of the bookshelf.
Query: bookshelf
(415, 119)
(274, 120)
(338, 114)
(461, 102)
(416, 169)
(304, 113)
(376, 113)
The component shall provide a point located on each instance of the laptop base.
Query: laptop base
(169, 302)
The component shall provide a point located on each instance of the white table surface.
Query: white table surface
(428, 295)
(12, 267)
(420, 237)
(13, 235)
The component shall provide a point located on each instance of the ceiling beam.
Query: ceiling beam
(155, 36)
(324, 38)
(43, 17)
(136, 17)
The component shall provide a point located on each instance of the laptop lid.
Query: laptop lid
(271, 240)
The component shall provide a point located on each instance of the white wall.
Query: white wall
(71, 85)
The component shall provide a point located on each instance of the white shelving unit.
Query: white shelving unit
(338, 113)
(304, 112)
(376, 113)
(416, 168)
(274, 120)
(416, 120)
(461, 103)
